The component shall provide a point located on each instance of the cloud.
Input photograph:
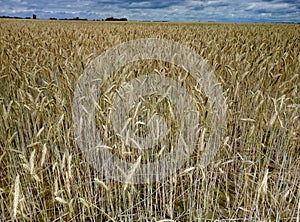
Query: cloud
(276, 10)
(172, 10)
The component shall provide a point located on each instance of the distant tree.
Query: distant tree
(76, 19)
(110, 19)
(116, 19)
(79, 19)
(34, 16)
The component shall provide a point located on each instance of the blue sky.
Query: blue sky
(171, 10)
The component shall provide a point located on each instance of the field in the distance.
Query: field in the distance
(254, 176)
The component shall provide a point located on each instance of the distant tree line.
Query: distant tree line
(116, 19)
(74, 19)
(10, 17)
(17, 17)
(80, 19)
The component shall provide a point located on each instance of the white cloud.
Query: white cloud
(268, 6)
(140, 4)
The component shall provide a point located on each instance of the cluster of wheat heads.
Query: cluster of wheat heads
(254, 176)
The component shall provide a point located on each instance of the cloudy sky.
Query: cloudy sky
(171, 10)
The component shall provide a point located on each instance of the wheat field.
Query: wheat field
(254, 176)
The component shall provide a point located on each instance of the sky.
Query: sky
(158, 10)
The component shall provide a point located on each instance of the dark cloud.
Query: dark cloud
(172, 10)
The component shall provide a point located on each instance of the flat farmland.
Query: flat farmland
(254, 174)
